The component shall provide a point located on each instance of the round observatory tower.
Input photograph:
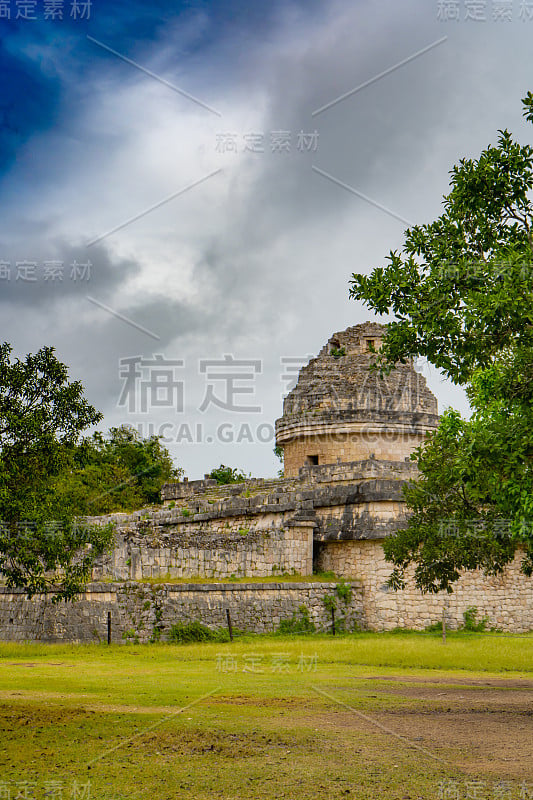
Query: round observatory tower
(341, 411)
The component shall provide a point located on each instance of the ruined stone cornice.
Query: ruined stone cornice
(353, 421)
(303, 504)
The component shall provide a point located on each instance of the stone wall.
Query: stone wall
(373, 519)
(357, 444)
(256, 528)
(507, 599)
(331, 517)
(204, 496)
(143, 612)
(236, 546)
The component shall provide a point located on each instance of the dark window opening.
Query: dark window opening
(312, 460)
(369, 343)
(318, 550)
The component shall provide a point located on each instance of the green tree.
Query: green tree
(224, 474)
(278, 452)
(43, 547)
(461, 292)
(121, 471)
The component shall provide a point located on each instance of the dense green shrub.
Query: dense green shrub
(470, 620)
(298, 623)
(184, 632)
(224, 475)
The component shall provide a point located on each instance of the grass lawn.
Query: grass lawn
(359, 716)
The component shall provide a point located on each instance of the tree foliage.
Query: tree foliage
(461, 292)
(43, 547)
(121, 471)
(224, 474)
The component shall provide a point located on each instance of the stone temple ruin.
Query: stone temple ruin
(347, 436)
(341, 412)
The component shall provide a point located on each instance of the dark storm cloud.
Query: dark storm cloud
(257, 261)
(45, 62)
(40, 272)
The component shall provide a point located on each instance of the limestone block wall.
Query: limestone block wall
(257, 528)
(196, 496)
(144, 612)
(40, 620)
(192, 549)
(373, 519)
(338, 473)
(507, 600)
(348, 446)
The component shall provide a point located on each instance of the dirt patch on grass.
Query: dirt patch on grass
(480, 727)
(261, 702)
(196, 741)
(502, 683)
(34, 664)
(496, 744)
(22, 716)
(462, 698)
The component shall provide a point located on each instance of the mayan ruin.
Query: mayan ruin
(266, 400)
(347, 437)
(342, 412)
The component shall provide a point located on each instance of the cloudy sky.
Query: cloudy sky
(186, 183)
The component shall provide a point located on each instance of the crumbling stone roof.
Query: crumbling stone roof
(338, 383)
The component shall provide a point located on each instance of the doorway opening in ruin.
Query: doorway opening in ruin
(318, 548)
